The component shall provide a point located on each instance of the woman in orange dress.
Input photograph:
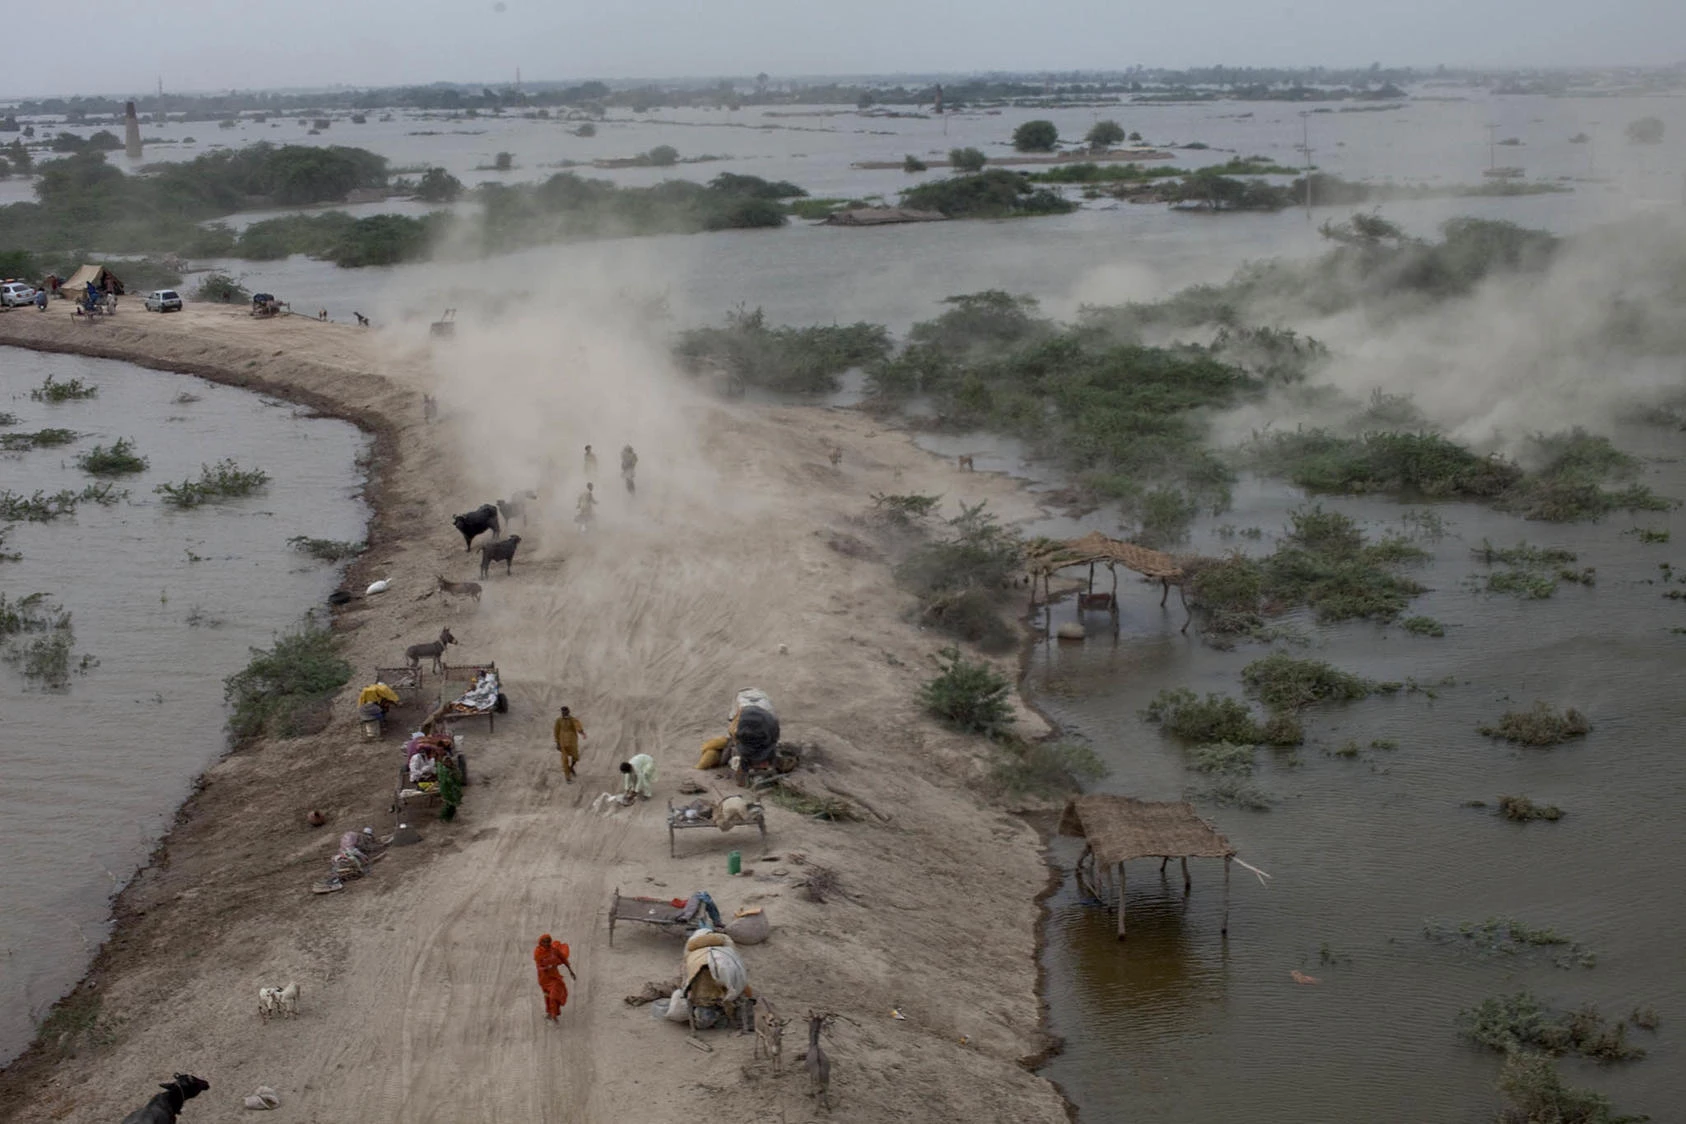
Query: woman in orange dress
(551, 956)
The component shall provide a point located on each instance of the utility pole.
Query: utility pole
(1305, 148)
(1492, 146)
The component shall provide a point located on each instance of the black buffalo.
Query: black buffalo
(482, 518)
(164, 1107)
(499, 552)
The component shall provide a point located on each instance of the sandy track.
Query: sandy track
(419, 1001)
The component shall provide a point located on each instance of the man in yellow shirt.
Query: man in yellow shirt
(568, 733)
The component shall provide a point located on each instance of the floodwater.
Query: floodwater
(1175, 1024)
(1178, 1024)
(168, 603)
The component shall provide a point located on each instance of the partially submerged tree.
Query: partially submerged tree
(967, 159)
(1103, 135)
(1036, 136)
(438, 186)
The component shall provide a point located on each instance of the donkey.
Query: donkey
(164, 1107)
(461, 589)
(435, 651)
(817, 1064)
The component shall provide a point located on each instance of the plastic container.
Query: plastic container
(734, 862)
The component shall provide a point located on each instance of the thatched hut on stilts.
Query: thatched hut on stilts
(1046, 556)
(1117, 829)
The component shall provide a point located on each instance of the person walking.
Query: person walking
(583, 508)
(629, 465)
(549, 957)
(638, 776)
(590, 464)
(568, 732)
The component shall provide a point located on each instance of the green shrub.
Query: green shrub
(1042, 768)
(221, 287)
(1221, 757)
(967, 696)
(1520, 1023)
(283, 690)
(438, 186)
(1423, 626)
(904, 510)
(993, 194)
(1217, 718)
(1535, 1093)
(1104, 134)
(119, 460)
(967, 160)
(809, 360)
(912, 163)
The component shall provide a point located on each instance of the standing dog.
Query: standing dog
(817, 1064)
(966, 463)
(769, 1033)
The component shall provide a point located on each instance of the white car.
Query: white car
(15, 294)
(163, 300)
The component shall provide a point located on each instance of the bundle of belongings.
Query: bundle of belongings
(714, 980)
(724, 814)
(751, 727)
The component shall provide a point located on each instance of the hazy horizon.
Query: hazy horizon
(205, 49)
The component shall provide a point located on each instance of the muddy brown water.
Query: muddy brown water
(168, 602)
(1178, 1024)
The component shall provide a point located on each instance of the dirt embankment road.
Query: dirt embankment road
(418, 995)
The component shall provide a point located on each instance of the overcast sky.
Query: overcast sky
(211, 45)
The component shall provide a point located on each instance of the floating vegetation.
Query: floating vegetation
(36, 638)
(1519, 1022)
(327, 550)
(1534, 571)
(1535, 1092)
(42, 508)
(1542, 725)
(1648, 535)
(119, 460)
(40, 439)
(1506, 936)
(1645, 1018)
(51, 390)
(1520, 809)
(1283, 683)
(1221, 757)
(7, 418)
(1322, 562)
(1219, 718)
(185, 398)
(219, 481)
(1423, 626)
(1231, 791)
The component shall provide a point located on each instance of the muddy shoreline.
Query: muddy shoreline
(48, 1074)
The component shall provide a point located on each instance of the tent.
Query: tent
(104, 280)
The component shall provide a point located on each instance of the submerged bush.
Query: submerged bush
(1542, 725)
(222, 480)
(1218, 718)
(967, 696)
(327, 550)
(1282, 682)
(284, 688)
(51, 390)
(1520, 809)
(1535, 1093)
(40, 439)
(1520, 1023)
(119, 460)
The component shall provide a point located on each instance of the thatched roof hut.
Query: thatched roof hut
(1120, 828)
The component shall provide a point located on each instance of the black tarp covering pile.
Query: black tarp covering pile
(758, 735)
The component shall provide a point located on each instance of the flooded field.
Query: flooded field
(1366, 846)
(165, 603)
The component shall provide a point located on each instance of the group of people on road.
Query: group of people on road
(585, 507)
